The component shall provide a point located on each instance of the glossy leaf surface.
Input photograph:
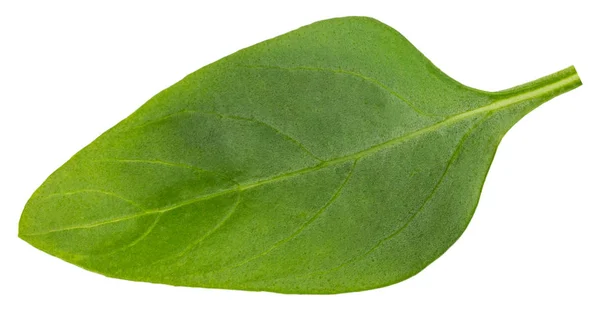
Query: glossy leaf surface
(333, 158)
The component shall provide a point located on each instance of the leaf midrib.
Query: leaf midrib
(493, 106)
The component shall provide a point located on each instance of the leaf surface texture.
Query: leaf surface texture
(333, 158)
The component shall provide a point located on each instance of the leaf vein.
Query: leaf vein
(154, 161)
(129, 201)
(193, 244)
(345, 72)
(265, 124)
(298, 231)
(134, 242)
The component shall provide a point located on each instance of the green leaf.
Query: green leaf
(333, 158)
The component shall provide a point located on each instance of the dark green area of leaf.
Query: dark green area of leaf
(333, 158)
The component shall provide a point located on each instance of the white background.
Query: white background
(70, 70)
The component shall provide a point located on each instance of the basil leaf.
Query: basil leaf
(333, 158)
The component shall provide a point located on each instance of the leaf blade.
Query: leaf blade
(282, 170)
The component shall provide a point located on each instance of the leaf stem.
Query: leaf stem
(546, 87)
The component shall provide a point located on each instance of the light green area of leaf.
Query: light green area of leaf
(333, 158)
